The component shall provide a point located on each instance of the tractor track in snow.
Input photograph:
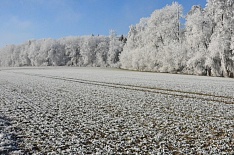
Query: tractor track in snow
(173, 92)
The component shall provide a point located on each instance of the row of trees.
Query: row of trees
(99, 51)
(204, 45)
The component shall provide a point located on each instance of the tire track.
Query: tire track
(176, 93)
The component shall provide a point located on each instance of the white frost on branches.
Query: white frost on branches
(203, 46)
(71, 51)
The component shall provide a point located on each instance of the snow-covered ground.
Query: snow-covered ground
(110, 111)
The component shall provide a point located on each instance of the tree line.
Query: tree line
(202, 45)
(94, 51)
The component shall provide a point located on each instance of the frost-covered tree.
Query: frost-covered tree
(24, 59)
(72, 53)
(115, 48)
(130, 58)
(56, 54)
(6, 56)
(158, 40)
(221, 52)
(101, 54)
(198, 30)
(86, 51)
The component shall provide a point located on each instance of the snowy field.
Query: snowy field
(73, 110)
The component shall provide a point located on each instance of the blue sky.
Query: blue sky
(22, 20)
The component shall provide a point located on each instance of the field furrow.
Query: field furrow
(179, 93)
